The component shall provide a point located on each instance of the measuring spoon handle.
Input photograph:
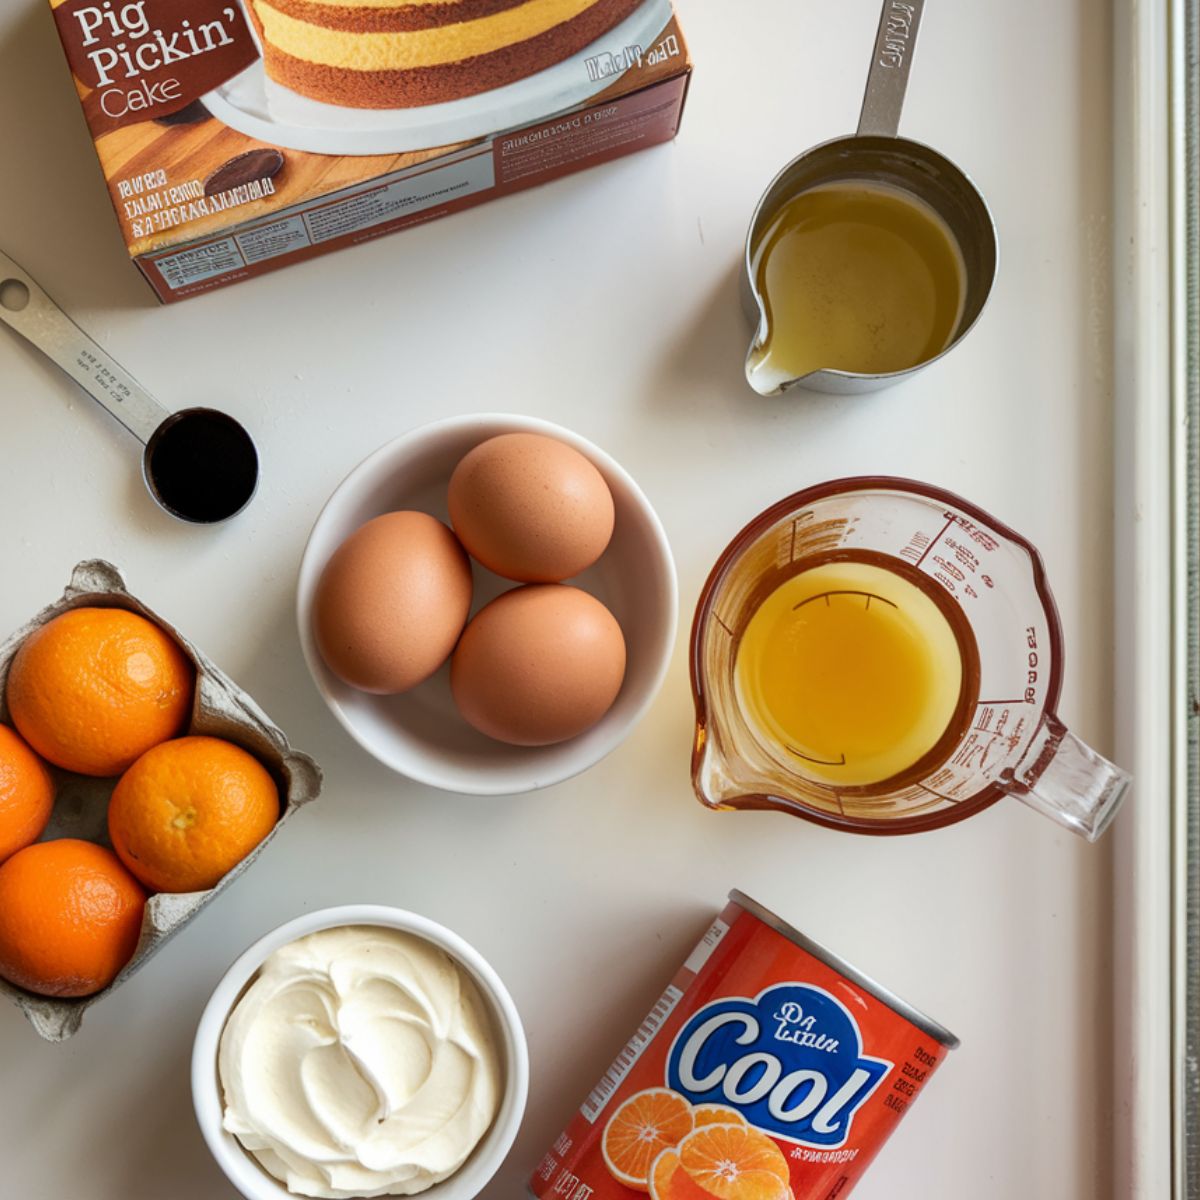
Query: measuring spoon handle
(888, 80)
(43, 323)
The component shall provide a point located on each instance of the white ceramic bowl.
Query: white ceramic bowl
(242, 1170)
(421, 734)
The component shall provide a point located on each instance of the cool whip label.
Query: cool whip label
(790, 1061)
(761, 1059)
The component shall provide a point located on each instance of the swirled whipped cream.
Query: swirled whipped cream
(361, 1061)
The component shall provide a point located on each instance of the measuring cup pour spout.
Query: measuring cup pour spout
(879, 555)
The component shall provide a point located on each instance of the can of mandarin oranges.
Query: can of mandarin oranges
(768, 1070)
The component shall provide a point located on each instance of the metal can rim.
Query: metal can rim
(913, 1015)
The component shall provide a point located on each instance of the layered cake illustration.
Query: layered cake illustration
(387, 54)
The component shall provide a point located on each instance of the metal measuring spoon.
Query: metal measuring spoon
(199, 464)
(876, 154)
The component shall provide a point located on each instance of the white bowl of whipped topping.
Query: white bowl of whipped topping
(360, 1051)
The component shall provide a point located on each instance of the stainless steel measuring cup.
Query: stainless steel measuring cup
(199, 465)
(876, 154)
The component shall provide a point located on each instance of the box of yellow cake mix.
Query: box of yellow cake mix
(237, 136)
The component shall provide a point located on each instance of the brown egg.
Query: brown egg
(391, 602)
(531, 508)
(538, 665)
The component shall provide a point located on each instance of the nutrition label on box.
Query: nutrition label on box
(200, 262)
(360, 209)
(377, 205)
(269, 241)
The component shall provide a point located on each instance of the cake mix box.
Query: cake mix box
(237, 136)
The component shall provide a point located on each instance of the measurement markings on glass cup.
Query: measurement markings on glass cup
(807, 515)
(1000, 712)
(958, 568)
(920, 544)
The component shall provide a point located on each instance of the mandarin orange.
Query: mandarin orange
(640, 1130)
(663, 1172)
(70, 918)
(679, 1185)
(95, 688)
(730, 1162)
(190, 810)
(26, 794)
(717, 1114)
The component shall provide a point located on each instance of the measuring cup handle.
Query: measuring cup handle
(26, 309)
(888, 79)
(1066, 780)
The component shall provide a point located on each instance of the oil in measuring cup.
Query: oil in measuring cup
(855, 673)
(870, 256)
(854, 276)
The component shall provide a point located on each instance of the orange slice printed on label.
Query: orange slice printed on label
(668, 1181)
(729, 1162)
(717, 1114)
(640, 1130)
(663, 1174)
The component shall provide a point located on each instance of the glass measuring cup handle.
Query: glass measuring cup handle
(1066, 780)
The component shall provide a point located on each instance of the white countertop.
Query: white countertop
(606, 302)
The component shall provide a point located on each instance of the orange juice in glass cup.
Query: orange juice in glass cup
(879, 655)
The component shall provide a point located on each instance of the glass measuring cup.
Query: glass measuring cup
(989, 584)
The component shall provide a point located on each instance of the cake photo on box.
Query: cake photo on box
(395, 54)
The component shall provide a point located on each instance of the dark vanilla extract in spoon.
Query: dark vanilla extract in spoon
(199, 464)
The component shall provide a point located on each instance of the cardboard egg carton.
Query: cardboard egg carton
(220, 709)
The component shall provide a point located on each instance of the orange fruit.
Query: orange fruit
(640, 1130)
(716, 1114)
(26, 794)
(190, 810)
(730, 1162)
(70, 918)
(96, 687)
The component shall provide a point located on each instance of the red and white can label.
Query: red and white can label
(766, 1071)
